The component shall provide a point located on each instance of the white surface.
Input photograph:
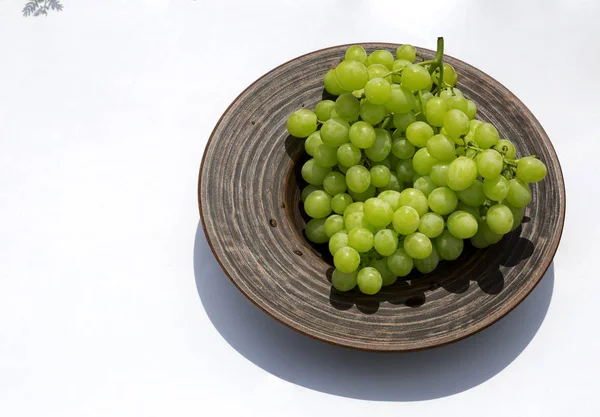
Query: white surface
(105, 109)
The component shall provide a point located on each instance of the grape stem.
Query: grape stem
(438, 63)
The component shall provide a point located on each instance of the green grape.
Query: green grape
(518, 213)
(431, 225)
(358, 179)
(519, 194)
(441, 148)
(462, 172)
(469, 209)
(394, 185)
(530, 169)
(346, 259)
(399, 263)
(405, 220)
(340, 202)
(402, 148)
(471, 110)
(415, 199)
(323, 109)
(442, 200)
(313, 173)
(372, 113)
(334, 183)
(435, 110)
(489, 163)
(403, 120)
(450, 92)
(318, 204)
(496, 188)
(500, 219)
(309, 189)
(347, 106)
(381, 57)
(356, 207)
(378, 91)
(333, 224)
(362, 135)
(378, 71)
(312, 143)
(423, 162)
(342, 168)
(439, 174)
(334, 132)
(332, 84)
(407, 52)
(397, 65)
(326, 156)
(415, 78)
(361, 239)
(462, 225)
(507, 148)
(382, 146)
(356, 219)
(352, 75)
(380, 176)
(385, 242)
(448, 246)
(488, 234)
(365, 195)
(391, 197)
(427, 265)
(425, 184)
(456, 123)
(348, 154)
(405, 170)
(479, 241)
(401, 100)
(356, 53)
(338, 241)
(472, 196)
(378, 212)
(424, 97)
(315, 231)
(458, 103)
(486, 135)
(342, 281)
(450, 76)
(369, 280)
(387, 276)
(473, 125)
(417, 246)
(418, 133)
(302, 123)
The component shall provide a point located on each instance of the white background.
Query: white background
(110, 301)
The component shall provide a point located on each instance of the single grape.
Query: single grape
(461, 224)
(506, 148)
(356, 207)
(530, 169)
(496, 188)
(356, 219)
(309, 189)
(334, 132)
(315, 231)
(326, 156)
(394, 185)
(415, 78)
(378, 91)
(356, 53)
(348, 154)
(458, 103)
(418, 246)
(385, 242)
(472, 196)
(405, 220)
(518, 213)
(441, 148)
(418, 133)
(391, 197)
(402, 148)
(403, 120)
(369, 280)
(362, 135)
(378, 212)
(372, 113)
(407, 52)
(318, 204)
(456, 123)
(401, 100)
(381, 57)
(352, 75)
(339, 202)
(323, 109)
(450, 76)
(500, 219)
(450, 92)
(488, 234)
(428, 264)
(449, 247)
(342, 281)
(439, 174)
(471, 109)
(405, 170)
(332, 84)
(365, 195)
(442, 200)
(333, 224)
(397, 65)
(302, 123)
(399, 263)
(478, 241)
(519, 194)
(423, 162)
(334, 183)
(338, 241)
(435, 110)
(382, 146)
(469, 209)
(425, 184)
(346, 259)
(486, 135)
(313, 173)
(462, 172)
(347, 106)
(431, 224)
(312, 143)
(358, 179)
(490, 163)
(387, 276)
(380, 176)
(361, 239)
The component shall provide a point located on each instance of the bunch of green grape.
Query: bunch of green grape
(401, 172)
